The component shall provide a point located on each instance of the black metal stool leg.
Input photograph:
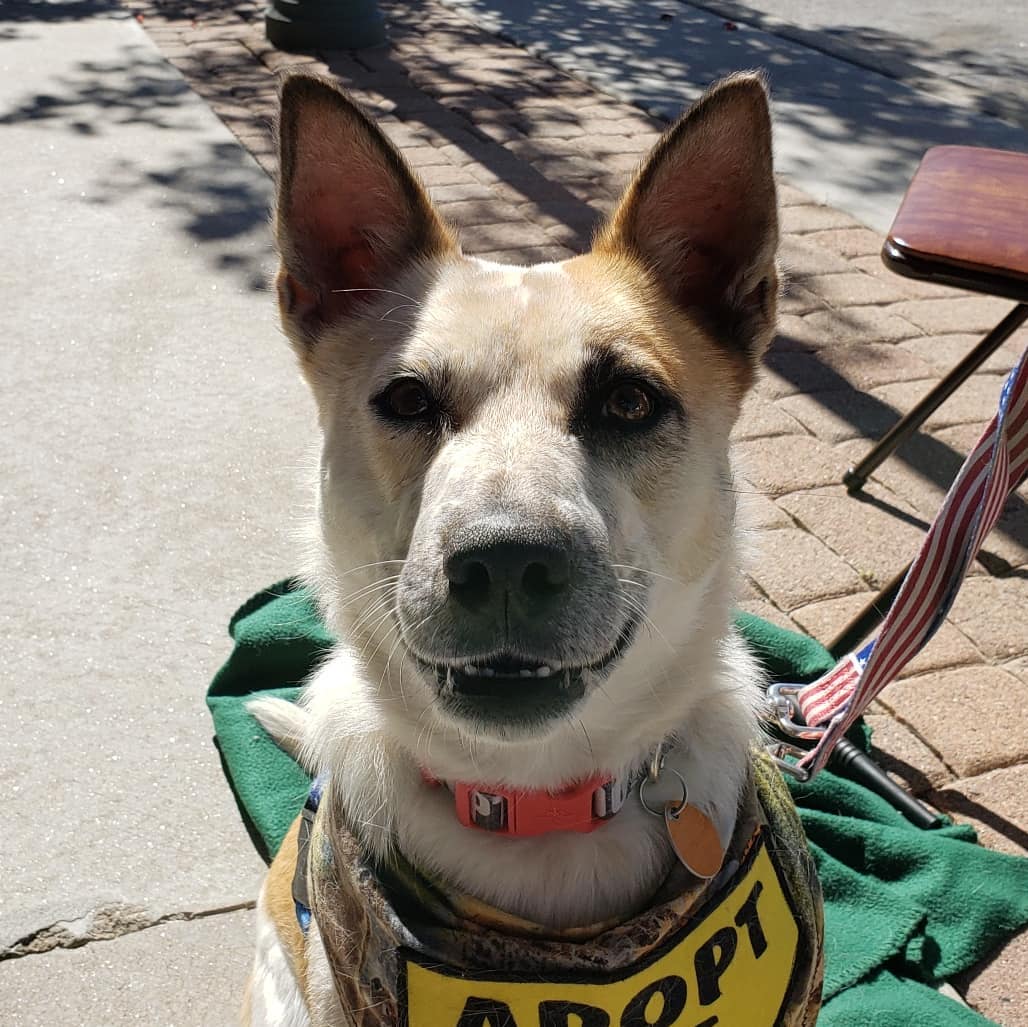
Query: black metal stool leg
(855, 478)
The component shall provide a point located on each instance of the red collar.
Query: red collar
(525, 814)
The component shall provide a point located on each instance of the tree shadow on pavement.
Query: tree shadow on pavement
(102, 94)
(988, 81)
(17, 16)
(559, 187)
(660, 56)
(218, 197)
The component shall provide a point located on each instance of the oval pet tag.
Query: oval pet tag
(694, 839)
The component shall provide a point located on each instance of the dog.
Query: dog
(526, 538)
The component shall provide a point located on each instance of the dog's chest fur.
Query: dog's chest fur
(561, 879)
(370, 961)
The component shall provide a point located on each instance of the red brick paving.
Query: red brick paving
(528, 158)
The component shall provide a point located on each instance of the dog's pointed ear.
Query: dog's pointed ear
(350, 215)
(701, 214)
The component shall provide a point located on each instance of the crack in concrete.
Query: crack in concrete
(106, 923)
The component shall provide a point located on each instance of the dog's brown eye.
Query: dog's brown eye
(629, 402)
(407, 399)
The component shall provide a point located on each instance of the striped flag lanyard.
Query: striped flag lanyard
(825, 709)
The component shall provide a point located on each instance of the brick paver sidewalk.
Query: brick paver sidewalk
(525, 159)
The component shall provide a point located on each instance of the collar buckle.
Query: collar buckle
(581, 808)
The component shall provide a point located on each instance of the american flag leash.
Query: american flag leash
(996, 466)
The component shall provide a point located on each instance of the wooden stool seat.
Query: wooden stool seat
(964, 222)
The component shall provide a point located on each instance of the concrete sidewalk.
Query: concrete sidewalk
(151, 421)
(161, 339)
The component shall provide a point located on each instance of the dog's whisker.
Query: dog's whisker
(421, 715)
(634, 604)
(394, 627)
(388, 592)
(649, 573)
(372, 618)
(425, 735)
(588, 740)
(469, 745)
(426, 709)
(393, 292)
(363, 593)
(399, 306)
(403, 656)
(388, 663)
(369, 566)
(370, 633)
(371, 819)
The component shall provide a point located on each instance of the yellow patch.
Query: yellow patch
(731, 968)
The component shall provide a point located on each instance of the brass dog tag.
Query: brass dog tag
(694, 838)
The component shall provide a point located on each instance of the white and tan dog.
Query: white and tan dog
(526, 521)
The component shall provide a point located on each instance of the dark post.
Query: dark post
(305, 25)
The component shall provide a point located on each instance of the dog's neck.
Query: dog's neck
(519, 813)
(560, 879)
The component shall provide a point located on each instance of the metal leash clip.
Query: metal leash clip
(783, 710)
(779, 750)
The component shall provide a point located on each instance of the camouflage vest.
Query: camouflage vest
(743, 950)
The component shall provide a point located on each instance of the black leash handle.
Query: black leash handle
(851, 762)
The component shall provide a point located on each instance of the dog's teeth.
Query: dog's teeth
(487, 672)
(527, 673)
(468, 669)
(543, 672)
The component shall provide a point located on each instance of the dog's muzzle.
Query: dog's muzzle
(520, 659)
(510, 691)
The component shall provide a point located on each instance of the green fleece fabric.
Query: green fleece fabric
(905, 909)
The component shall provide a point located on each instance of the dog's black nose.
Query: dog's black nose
(531, 575)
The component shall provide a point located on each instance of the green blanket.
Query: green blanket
(905, 909)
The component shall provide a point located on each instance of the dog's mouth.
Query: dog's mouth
(512, 690)
(488, 676)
